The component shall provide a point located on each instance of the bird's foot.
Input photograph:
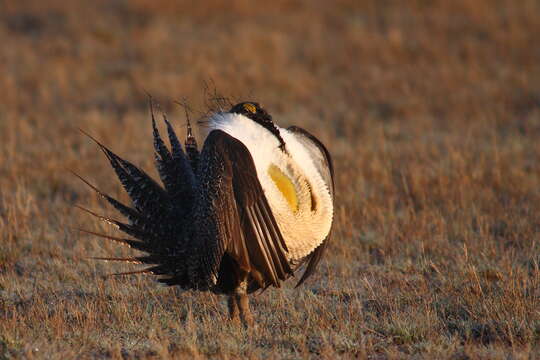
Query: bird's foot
(234, 313)
(245, 312)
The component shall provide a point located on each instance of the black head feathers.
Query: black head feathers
(255, 112)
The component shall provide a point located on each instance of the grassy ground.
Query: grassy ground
(431, 110)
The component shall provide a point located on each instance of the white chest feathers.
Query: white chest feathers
(298, 196)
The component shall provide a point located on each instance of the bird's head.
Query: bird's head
(252, 110)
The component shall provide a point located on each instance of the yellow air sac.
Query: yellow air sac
(285, 185)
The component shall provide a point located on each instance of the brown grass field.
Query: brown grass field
(431, 110)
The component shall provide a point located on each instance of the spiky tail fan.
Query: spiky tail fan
(158, 218)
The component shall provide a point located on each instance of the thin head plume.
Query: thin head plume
(237, 98)
(184, 103)
(213, 100)
(222, 102)
(207, 91)
(204, 118)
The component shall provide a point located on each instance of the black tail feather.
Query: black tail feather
(131, 214)
(159, 216)
(131, 243)
(147, 192)
(125, 260)
(128, 229)
(143, 271)
(159, 145)
(135, 260)
(147, 196)
(174, 169)
(135, 218)
(176, 147)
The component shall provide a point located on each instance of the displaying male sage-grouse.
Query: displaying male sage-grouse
(243, 214)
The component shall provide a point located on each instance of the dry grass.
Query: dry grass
(430, 108)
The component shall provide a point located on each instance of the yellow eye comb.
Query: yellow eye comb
(250, 108)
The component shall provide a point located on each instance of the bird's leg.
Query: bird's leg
(242, 302)
(233, 307)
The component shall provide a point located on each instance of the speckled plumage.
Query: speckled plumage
(212, 225)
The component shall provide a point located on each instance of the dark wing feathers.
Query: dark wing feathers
(240, 210)
(323, 162)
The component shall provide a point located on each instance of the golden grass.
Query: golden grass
(431, 110)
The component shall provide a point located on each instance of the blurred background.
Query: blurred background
(347, 68)
(431, 110)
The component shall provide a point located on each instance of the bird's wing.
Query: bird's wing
(323, 162)
(233, 213)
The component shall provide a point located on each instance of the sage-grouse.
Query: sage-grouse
(243, 214)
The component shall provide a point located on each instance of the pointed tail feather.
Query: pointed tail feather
(175, 170)
(143, 271)
(137, 220)
(159, 215)
(145, 193)
(128, 229)
(176, 147)
(131, 243)
(134, 260)
(159, 145)
(128, 212)
(125, 260)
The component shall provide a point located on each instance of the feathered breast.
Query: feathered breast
(299, 197)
